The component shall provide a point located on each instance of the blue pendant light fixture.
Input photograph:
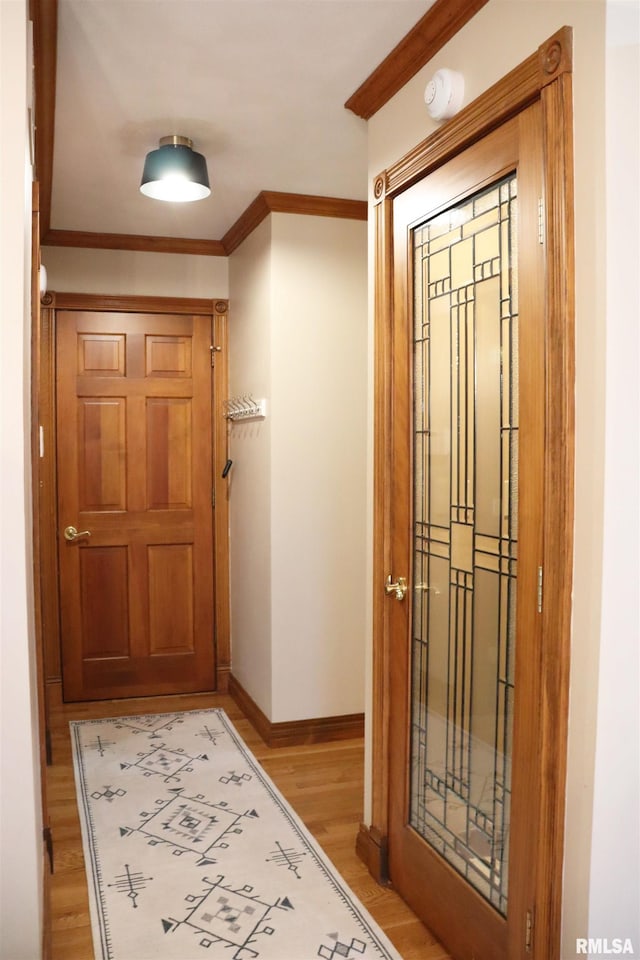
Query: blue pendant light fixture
(175, 172)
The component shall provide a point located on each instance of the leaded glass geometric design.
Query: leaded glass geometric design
(465, 534)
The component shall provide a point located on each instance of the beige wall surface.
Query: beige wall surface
(250, 279)
(318, 408)
(499, 37)
(133, 273)
(297, 326)
(20, 814)
(614, 907)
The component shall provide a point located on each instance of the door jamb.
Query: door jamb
(45, 493)
(43, 720)
(546, 76)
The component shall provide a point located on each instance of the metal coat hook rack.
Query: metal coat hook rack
(245, 408)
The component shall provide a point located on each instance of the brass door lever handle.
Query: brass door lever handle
(397, 589)
(71, 534)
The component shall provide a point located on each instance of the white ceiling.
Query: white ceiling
(258, 85)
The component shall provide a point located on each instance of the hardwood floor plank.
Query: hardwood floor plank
(322, 782)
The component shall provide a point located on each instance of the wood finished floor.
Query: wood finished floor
(322, 782)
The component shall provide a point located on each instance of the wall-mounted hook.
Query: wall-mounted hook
(245, 408)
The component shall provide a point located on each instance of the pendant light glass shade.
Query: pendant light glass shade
(175, 172)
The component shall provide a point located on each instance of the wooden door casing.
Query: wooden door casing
(44, 735)
(545, 77)
(134, 463)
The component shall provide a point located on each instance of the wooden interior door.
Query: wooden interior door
(468, 402)
(134, 464)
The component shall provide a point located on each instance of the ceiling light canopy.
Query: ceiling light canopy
(175, 172)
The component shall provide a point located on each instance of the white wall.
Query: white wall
(499, 37)
(20, 814)
(298, 337)
(614, 907)
(319, 368)
(250, 280)
(133, 273)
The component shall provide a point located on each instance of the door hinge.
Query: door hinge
(540, 220)
(539, 589)
(48, 843)
(214, 350)
(528, 933)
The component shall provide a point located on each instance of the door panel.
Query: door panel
(468, 431)
(134, 434)
(170, 575)
(102, 482)
(169, 457)
(104, 602)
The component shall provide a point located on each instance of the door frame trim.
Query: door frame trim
(45, 488)
(545, 76)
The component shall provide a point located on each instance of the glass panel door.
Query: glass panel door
(465, 534)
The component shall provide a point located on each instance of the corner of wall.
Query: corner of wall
(21, 864)
(250, 294)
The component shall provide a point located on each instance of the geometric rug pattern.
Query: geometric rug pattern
(192, 853)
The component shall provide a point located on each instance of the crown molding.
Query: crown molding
(314, 206)
(127, 241)
(44, 14)
(503, 100)
(271, 201)
(246, 223)
(441, 22)
(267, 202)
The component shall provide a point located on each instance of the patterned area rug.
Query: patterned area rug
(192, 852)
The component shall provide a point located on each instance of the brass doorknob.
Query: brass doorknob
(71, 534)
(397, 589)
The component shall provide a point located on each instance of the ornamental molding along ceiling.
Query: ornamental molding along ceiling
(54, 23)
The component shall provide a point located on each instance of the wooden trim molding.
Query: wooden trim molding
(383, 297)
(313, 206)
(45, 493)
(270, 201)
(439, 24)
(43, 731)
(256, 212)
(557, 105)
(372, 849)
(44, 14)
(495, 106)
(220, 360)
(250, 708)
(122, 304)
(126, 241)
(295, 732)
(545, 77)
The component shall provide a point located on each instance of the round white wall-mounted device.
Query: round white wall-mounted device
(444, 94)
